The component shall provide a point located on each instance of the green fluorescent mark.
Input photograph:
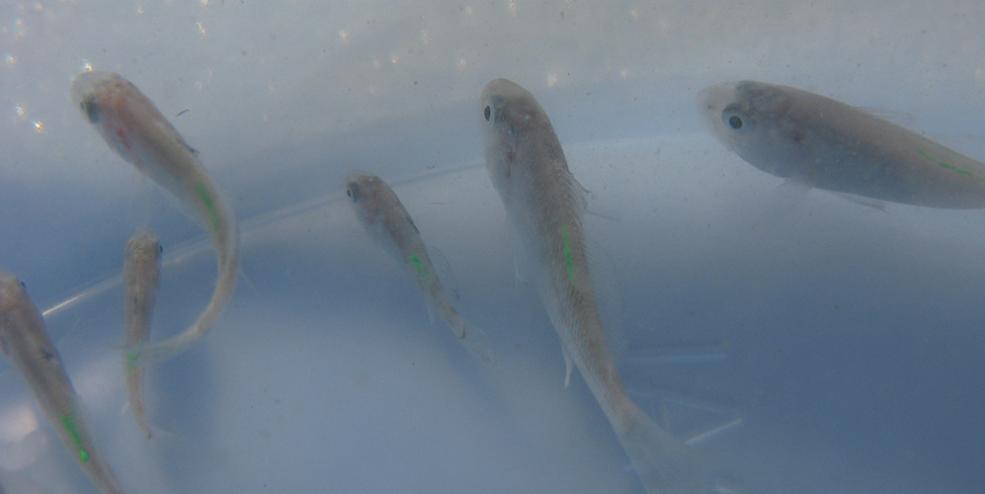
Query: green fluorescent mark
(949, 166)
(68, 422)
(203, 194)
(422, 272)
(569, 262)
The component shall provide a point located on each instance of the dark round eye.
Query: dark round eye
(160, 249)
(487, 112)
(735, 117)
(348, 192)
(21, 283)
(91, 109)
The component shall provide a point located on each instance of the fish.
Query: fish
(545, 205)
(388, 223)
(25, 342)
(822, 143)
(137, 131)
(141, 279)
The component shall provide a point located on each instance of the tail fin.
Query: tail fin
(474, 340)
(153, 353)
(664, 464)
(471, 337)
(148, 354)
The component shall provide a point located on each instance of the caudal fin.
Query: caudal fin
(664, 464)
(474, 340)
(149, 354)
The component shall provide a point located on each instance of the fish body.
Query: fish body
(142, 136)
(390, 225)
(25, 342)
(827, 144)
(141, 279)
(544, 205)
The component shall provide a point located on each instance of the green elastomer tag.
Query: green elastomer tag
(949, 166)
(132, 357)
(203, 194)
(569, 262)
(68, 422)
(415, 261)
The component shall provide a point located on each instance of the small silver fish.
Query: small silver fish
(24, 340)
(819, 142)
(141, 279)
(139, 133)
(390, 225)
(544, 204)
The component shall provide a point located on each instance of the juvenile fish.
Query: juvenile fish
(24, 340)
(388, 223)
(544, 204)
(141, 279)
(823, 143)
(139, 133)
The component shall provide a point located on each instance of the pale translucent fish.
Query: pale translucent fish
(389, 224)
(830, 145)
(25, 342)
(141, 279)
(544, 205)
(139, 133)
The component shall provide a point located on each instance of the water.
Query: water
(841, 344)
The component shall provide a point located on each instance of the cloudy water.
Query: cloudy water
(789, 338)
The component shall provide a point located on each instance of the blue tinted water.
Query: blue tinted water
(825, 346)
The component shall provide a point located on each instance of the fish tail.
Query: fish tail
(664, 464)
(150, 354)
(154, 353)
(471, 337)
(475, 341)
(135, 392)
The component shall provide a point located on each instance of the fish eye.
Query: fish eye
(487, 112)
(734, 118)
(21, 283)
(348, 192)
(91, 109)
(160, 249)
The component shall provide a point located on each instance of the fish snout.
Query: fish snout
(89, 86)
(713, 99)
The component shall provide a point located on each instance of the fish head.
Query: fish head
(365, 193)
(12, 293)
(753, 120)
(144, 247)
(510, 115)
(104, 99)
(90, 90)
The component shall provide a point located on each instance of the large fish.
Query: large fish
(544, 204)
(819, 142)
(139, 133)
(141, 279)
(390, 225)
(24, 340)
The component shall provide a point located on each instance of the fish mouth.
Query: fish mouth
(9, 288)
(85, 90)
(713, 99)
(358, 184)
(144, 244)
(502, 88)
